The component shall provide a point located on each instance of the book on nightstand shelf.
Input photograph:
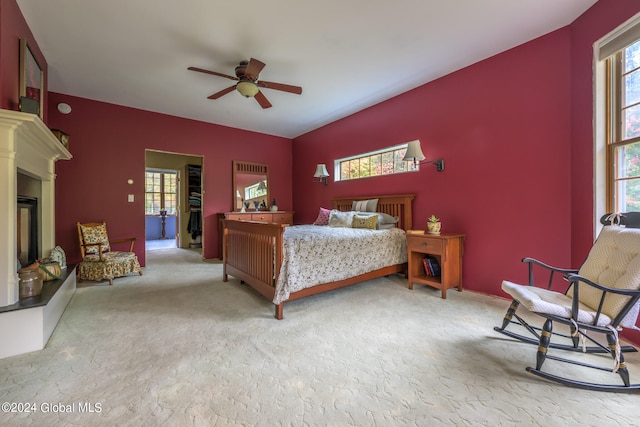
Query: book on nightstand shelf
(431, 266)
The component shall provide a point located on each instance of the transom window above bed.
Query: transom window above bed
(386, 161)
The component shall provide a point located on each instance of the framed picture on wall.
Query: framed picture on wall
(31, 79)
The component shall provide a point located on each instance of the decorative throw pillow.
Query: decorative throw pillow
(383, 218)
(340, 219)
(323, 217)
(368, 221)
(386, 226)
(370, 205)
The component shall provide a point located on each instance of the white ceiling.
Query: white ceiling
(346, 54)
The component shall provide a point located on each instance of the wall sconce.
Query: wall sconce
(321, 174)
(414, 154)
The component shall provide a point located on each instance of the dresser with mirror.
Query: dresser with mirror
(251, 197)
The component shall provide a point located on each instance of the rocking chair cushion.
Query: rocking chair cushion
(539, 300)
(614, 261)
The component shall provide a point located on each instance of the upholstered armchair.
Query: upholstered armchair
(99, 262)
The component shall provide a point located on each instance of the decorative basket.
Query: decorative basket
(50, 270)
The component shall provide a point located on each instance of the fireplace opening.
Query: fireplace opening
(27, 230)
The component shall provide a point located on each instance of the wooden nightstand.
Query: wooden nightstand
(447, 248)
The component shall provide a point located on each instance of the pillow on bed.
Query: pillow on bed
(365, 221)
(370, 205)
(340, 219)
(323, 217)
(383, 218)
(386, 226)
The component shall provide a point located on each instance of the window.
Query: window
(256, 191)
(623, 124)
(376, 163)
(160, 192)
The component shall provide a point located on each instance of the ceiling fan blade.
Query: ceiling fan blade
(279, 86)
(262, 100)
(222, 92)
(215, 73)
(253, 69)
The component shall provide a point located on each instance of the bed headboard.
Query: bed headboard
(395, 205)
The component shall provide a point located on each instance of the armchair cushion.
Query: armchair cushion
(115, 264)
(93, 235)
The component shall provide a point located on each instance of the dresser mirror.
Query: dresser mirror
(250, 186)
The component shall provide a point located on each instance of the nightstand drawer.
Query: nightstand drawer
(425, 245)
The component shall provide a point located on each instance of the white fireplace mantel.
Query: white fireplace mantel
(26, 144)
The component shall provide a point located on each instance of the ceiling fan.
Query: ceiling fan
(248, 85)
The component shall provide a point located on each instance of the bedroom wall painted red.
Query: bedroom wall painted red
(108, 144)
(13, 27)
(489, 149)
(594, 24)
(518, 180)
(502, 127)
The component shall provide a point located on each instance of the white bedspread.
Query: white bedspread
(320, 254)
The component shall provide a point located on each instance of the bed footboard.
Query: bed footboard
(252, 252)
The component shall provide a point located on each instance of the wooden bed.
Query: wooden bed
(253, 251)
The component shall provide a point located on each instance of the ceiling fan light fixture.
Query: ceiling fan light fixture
(247, 89)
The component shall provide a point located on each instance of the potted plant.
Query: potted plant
(433, 225)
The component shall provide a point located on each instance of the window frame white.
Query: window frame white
(337, 171)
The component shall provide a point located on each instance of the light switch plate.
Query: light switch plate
(130, 198)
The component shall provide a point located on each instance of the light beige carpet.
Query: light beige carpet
(179, 347)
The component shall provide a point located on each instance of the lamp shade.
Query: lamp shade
(321, 171)
(414, 152)
(247, 89)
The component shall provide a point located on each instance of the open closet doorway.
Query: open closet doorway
(173, 200)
